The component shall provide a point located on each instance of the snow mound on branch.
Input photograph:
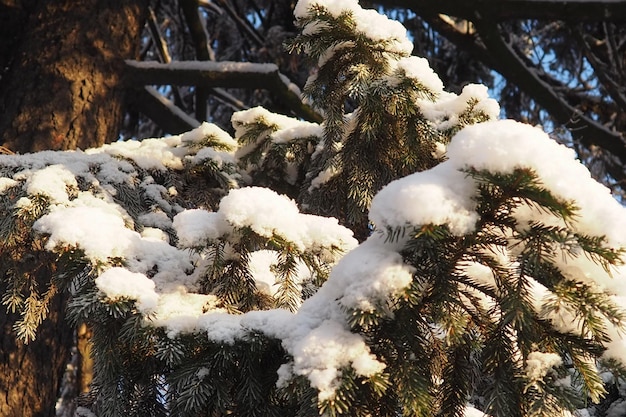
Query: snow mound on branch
(372, 24)
(52, 181)
(318, 335)
(119, 283)
(266, 213)
(419, 69)
(444, 111)
(99, 233)
(161, 154)
(444, 195)
(194, 227)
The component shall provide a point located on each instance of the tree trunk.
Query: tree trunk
(61, 90)
(30, 374)
(63, 87)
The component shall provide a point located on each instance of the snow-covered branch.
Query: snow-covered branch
(220, 74)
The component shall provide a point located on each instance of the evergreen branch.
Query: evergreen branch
(289, 294)
(458, 377)
(521, 186)
(504, 394)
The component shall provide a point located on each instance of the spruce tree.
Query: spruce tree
(222, 276)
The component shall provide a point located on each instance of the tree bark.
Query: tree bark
(63, 86)
(62, 90)
(30, 374)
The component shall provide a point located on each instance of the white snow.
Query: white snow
(6, 183)
(164, 279)
(195, 227)
(100, 234)
(473, 412)
(444, 111)
(52, 181)
(539, 364)
(208, 66)
(419, 69)
(119, 283)
(217, 136)
(369, 22)
(617, 409)
(442, 195)
(369, 275)
(284, 128)
(268, 213)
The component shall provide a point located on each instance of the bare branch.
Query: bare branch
(203, 50)
(220, 74)
(572, 10)
(589, 132)
(163, 112)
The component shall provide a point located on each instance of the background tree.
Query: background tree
(61, 65)
(559, 64)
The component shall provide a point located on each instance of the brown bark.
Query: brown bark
(63, 87)
(30, 374)
(61, 90)
(85, 370)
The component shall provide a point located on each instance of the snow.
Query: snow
(539, 364)
(157, 154)
(324, 350)
(369, 275)
(179, 311)
(444, 111)
(419, 69)
(195, 227)
(445, 196)
(218, 137)
(442, 195)
(473, 412)
(164, 279)
(369, 22)
(155, 219)
(100, 234)
(284, 128)
(52, 181)
(120, 283)
(617, 409)
(502, 146)
(267, 213)
(209, 66)
(161, 154)
(6, 183)
(261, 264)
